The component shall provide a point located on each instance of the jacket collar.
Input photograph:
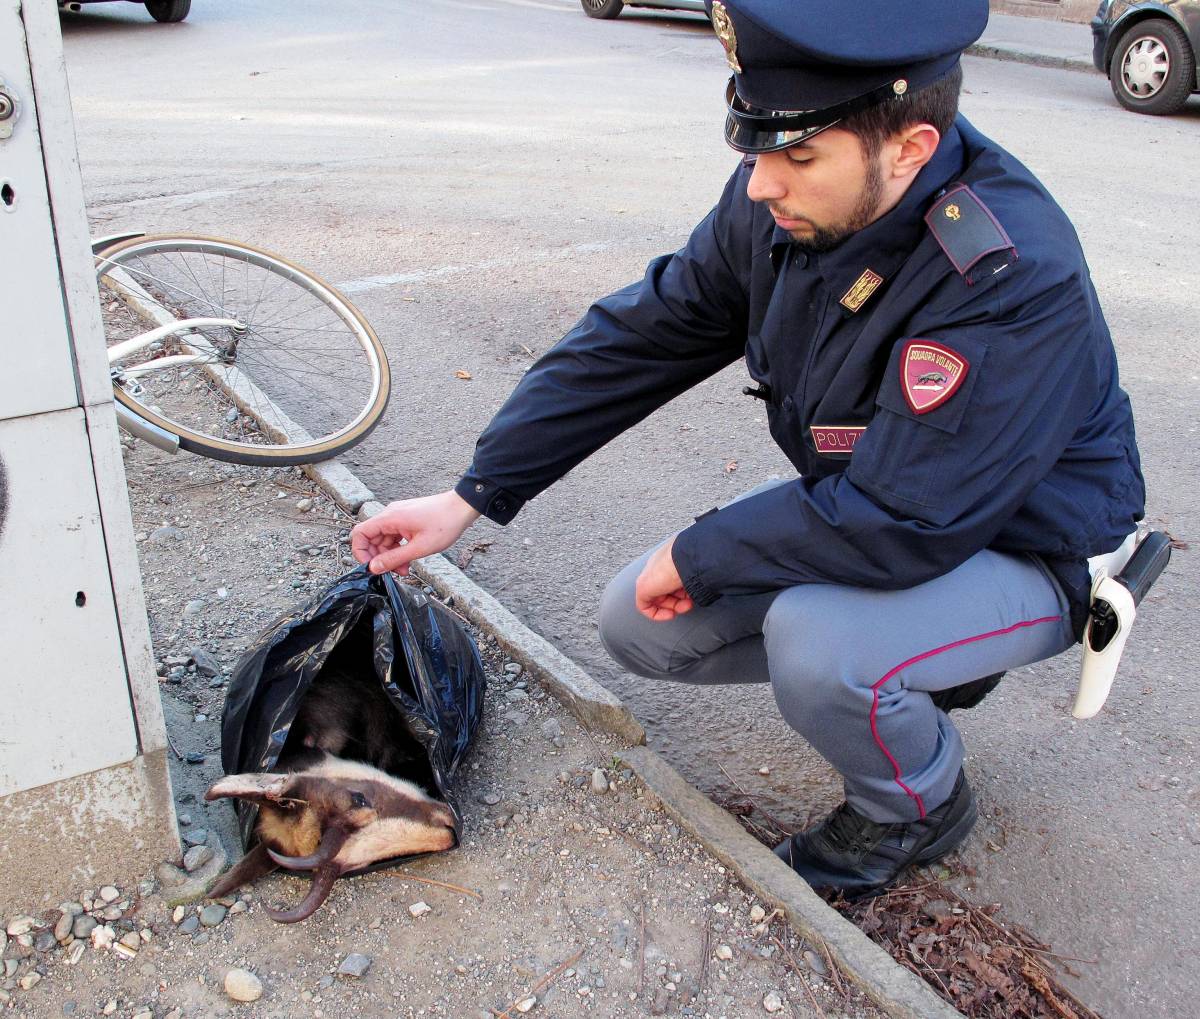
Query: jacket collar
(882, 247)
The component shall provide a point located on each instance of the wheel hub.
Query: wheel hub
(1145, 67)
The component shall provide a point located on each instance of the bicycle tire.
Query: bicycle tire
(147, 280)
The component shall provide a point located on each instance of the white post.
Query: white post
(84, 792)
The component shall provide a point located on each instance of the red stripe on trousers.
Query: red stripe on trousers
(920, 658)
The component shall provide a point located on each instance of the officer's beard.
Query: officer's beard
(825, 238)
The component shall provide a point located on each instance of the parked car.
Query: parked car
(611, 8)
(1148, 50)
(160, 10)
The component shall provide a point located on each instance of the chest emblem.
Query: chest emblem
(723, 26)
(953, 212)
(863, 288)
(835, 438)
(930, 374)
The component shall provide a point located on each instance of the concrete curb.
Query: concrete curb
(1025, 57)
(893, 988)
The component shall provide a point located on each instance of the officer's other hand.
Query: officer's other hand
(411, 529)
(659, 593)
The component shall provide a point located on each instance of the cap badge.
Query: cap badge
(900, 86)
(723, 26)
(930, 374)
(953, 212)
(860, 292)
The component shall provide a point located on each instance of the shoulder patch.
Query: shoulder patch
(930, 373)
(966, 229)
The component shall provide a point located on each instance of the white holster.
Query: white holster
(1100, 666)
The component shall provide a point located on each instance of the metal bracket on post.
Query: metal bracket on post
(10, 110)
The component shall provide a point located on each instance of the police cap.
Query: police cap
(800, 66)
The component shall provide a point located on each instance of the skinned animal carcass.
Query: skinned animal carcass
(331, 816)
(336, 723)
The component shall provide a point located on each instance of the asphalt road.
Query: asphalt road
(474, 173)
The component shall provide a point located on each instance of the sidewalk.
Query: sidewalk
(1038, 41)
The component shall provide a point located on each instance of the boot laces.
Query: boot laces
(847, 830)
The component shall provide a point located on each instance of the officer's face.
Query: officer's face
(820, 191)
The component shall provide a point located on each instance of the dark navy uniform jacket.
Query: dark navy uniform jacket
(1034, 451)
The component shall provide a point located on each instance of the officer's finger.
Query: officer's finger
(394, 560)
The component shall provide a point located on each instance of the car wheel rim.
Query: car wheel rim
(1145, 67)
(594, 5)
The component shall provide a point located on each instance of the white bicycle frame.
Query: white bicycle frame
(128, 419)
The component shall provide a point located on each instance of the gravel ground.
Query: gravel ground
(573, 893)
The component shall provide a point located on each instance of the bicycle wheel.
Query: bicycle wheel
(300, 379)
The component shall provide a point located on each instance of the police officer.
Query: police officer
(918, 318)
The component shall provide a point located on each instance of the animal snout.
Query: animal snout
(442, 815)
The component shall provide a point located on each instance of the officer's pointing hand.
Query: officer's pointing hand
(411, 529)
(659, 593)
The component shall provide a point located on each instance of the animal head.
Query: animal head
(333, 817)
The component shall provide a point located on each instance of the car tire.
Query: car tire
(1153, 69)
(604, 9)
(168, 10)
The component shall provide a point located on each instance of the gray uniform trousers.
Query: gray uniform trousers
(852, 668)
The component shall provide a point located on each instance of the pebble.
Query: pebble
(525, 1004)
(489, 799)
(69, 1007)
(238, 907)
(74, 908)
(176, 673)
(83, 926)
(816, 963)
(552, 728)
(662, 998)
(222, 593)
(110, 1007)
(45, 941)
(195, 836)
(194, 607)
(514, 668)
(190, 924)
(144, 1013)
(110, 894)
(724, 953)
(195, 857)
(166, 534)
(19, 925)
(757, 913)
(132, 940)
(29, 980)
(215, 682)
(103, 937)
(205, 663)
(356, 964)
(62, 929)
(420, 908)
(304, 505)
(183, 819)
(242, 985)
(75, 952)
(599, 782)
(212, 914)
(516, 718)
(772, 1002)
(516, 696)
(231, 415)
(764, 770)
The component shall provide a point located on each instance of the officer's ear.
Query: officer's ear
(909, 149)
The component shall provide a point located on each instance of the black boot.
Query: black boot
(967, 695)
(851, 853)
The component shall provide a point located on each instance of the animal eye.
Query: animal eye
(358, 800)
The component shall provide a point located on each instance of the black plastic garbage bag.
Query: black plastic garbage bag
(425, 660)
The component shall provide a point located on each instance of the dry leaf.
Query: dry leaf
(463, 374)
(731, 467)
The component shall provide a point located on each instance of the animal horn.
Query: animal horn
(331, 843)
(318, 892)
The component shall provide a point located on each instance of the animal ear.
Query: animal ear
(255, 786)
